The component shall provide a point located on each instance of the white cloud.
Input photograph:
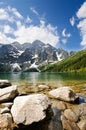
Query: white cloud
(72, 21)
(10, 14)
(82, 27)
(7, 29)
(15, 27)
(64, 41)
(64, 34)
(45, 33)
(34, 11)
(82, 11)
(4, 39)
(81, 14)
(15, 12)
(3, 14)
(28, 20)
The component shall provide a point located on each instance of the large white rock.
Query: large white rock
(64, 93)
(29, 109)
(4, 83)
(8, 93)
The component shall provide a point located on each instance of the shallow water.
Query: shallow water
(28, 82)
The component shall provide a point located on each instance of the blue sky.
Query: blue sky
(62, 23)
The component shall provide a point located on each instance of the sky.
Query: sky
(61, 23)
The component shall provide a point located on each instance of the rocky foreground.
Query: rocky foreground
(59, 109)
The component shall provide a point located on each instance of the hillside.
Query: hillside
(74, 63)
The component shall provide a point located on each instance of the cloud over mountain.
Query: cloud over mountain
(15, 27)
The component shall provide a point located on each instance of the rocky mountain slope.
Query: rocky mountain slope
(74, 63)
(28, 54)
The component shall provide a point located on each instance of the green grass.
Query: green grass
(74, 63)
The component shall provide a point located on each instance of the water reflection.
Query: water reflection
(34, 77)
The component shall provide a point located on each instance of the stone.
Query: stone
(59, 104)
(71, 115)
(7, 104)
(43, 87)
(5, 121)
(68, 125)
(82, 124)
(29, 109)
(9, 93)
(5, 110)
(5, 83)
(64, 93)
(81, 111)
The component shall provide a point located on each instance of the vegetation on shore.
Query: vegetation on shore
(74, 63)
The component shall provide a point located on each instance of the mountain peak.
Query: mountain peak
(38, 42)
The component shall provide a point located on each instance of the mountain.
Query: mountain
(21, 47)
(74, 63)
(8, 54)
(30, 55)
(42, 53)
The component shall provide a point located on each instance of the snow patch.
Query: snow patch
(59, 56)
(20, 52)
(34, 57)
(16, 67)
(34, 66)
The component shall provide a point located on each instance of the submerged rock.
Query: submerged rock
(29, 109)
(43, 87)
(68, 125)
(81, 111)
(5, 121)
(9, 93)
(60, 105)
(64, 93)
(71, 115)
(82, 124)
(4, 83)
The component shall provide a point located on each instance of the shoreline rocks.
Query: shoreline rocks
(30, 111)
(5, 83)
(6, 121)
(8, 93)
(64, 94)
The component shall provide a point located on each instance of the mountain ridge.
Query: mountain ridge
(28, 54)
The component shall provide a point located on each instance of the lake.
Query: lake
(28, 79)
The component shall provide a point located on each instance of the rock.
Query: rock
(4, 83)
(70, 115)
(81, 111)
(5, 110)
(64, 93)
(82, 124)
(6, 122)
(8, 104)
(9, 93)
(68, 125)
(29, 109)
(43, 87)
(59, 105)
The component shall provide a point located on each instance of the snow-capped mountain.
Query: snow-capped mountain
(28, 55)
(8, 54)
(21, 47)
